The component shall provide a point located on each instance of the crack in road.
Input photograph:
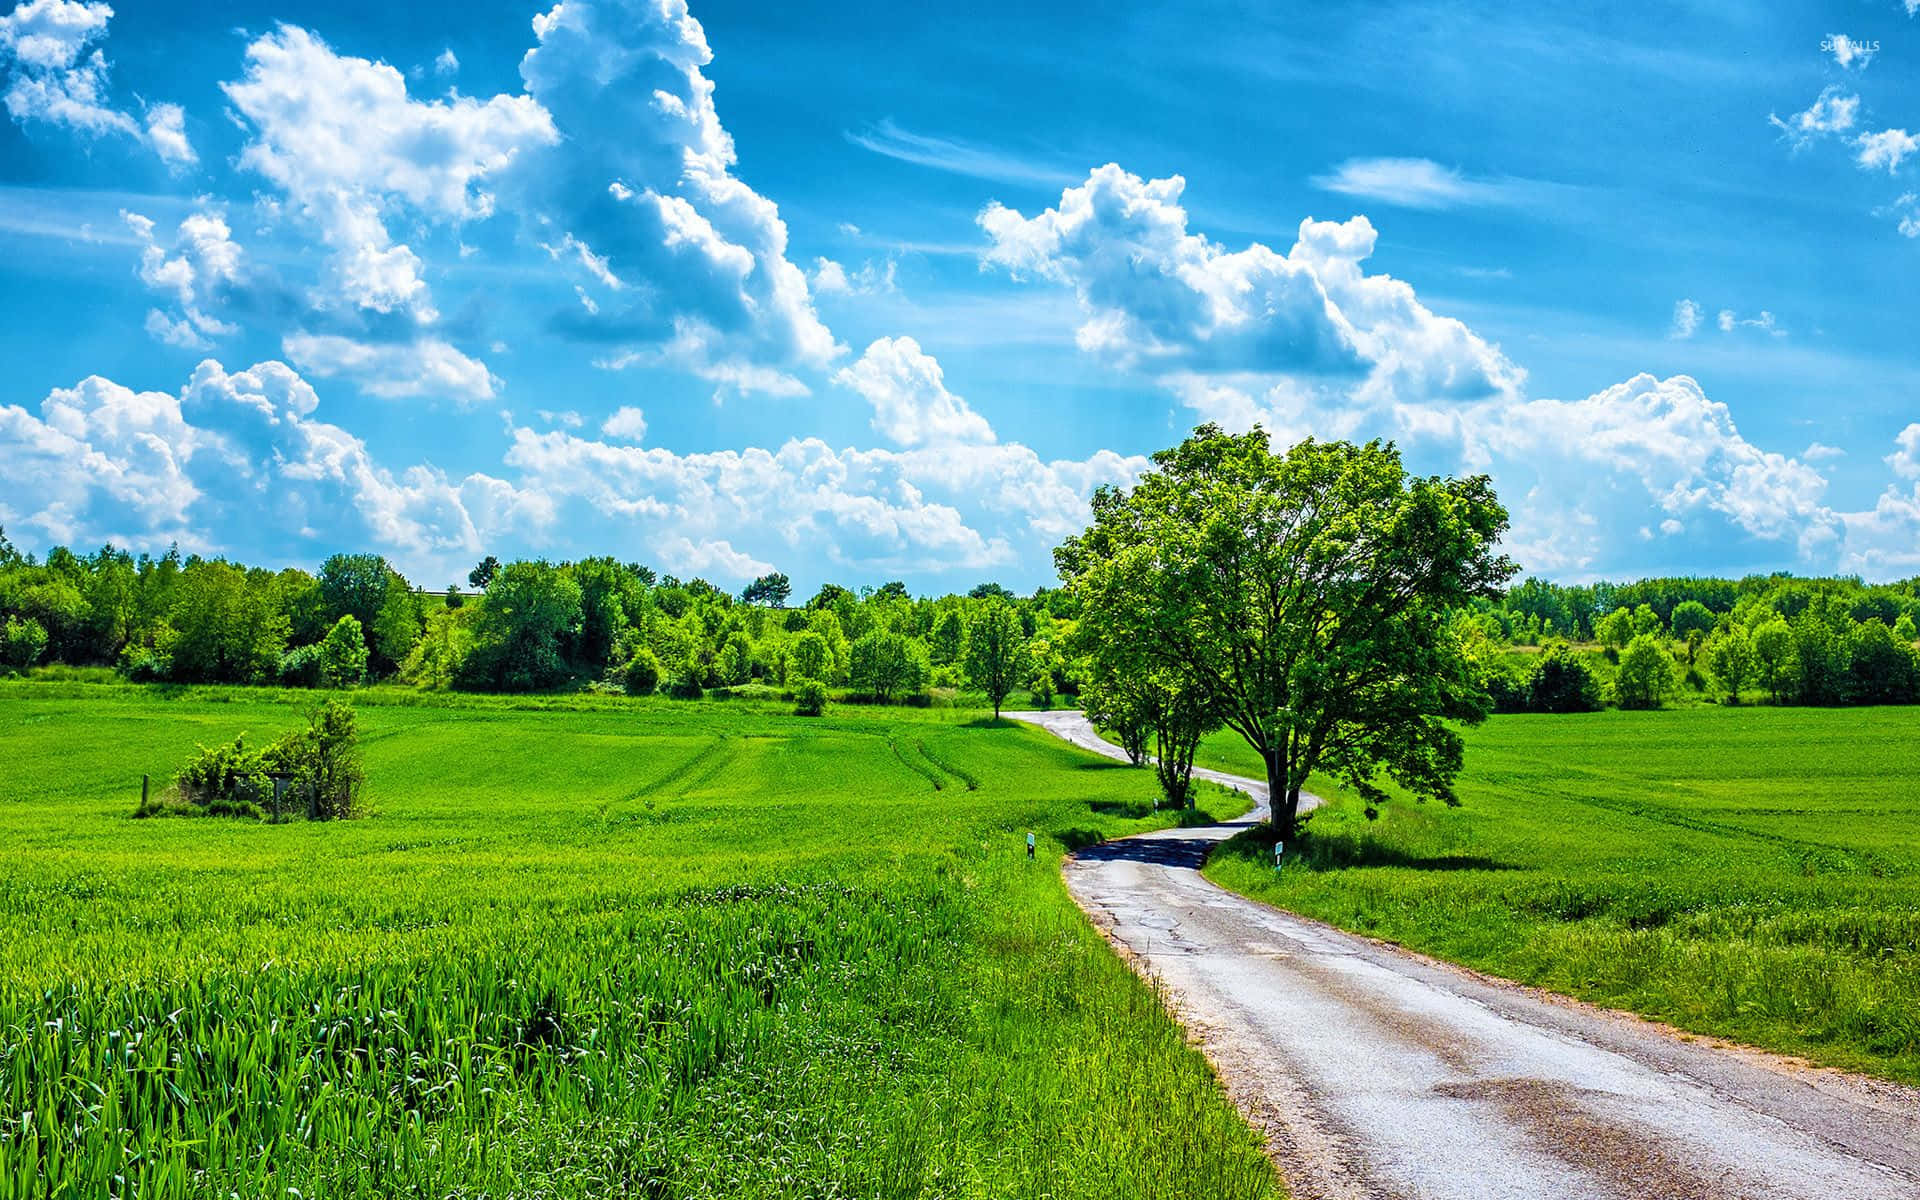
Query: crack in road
(1377, 1072)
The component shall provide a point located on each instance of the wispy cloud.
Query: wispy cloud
(1423, 183)
(959, 157)
(1686, 319)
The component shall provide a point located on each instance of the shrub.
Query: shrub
(146, 664)
(343, 654)
(22, 642)
(686, 686)
(1647, 675)
(642, 673)
(322, 761)
(1562, 683)
(300, 667)
(809, 698)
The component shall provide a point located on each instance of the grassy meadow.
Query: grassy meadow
(580, 947)
(1747, 872)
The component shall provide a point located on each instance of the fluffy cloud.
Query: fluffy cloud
(1905, 459)
(694, 260)
(58, 80)
(1648, 471)
(1833, 112)
(202, 263)
(347, 145)
(861, 509)
(233, 461)
(423, 366)
(1888, 148)
(908, 392)
(241, 462)
(628, 424)
(1158, 295)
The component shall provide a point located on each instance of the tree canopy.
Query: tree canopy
(1304, 598)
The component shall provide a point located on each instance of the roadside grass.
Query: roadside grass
(582, 947)
(1752, 873)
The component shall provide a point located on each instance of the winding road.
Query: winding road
(1376, 1072)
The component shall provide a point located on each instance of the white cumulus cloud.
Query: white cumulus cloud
(59, 77)
(908, 392)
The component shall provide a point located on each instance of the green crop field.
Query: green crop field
(580, 948)
(1747, 872)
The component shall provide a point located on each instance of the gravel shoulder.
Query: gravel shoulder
(1377, 1072)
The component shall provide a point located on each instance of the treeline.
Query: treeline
(1536, 611)
(1789, 640)
(534, 625)
(527, 626)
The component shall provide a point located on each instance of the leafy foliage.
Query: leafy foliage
(1647, 676)
(997, 656)
(1303, 598)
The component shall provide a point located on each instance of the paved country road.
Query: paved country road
(1376, 1072)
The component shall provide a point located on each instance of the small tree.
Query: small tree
(996, 651)
(1121, 704)
(641, 674)
(22, 643)
(884, 665)
(483, 574)
(1774, 664)
(1614, 630)
(1647, 675)
(771, 589)
(1691, 617)
(1731, 659)
(810, 657)
(1181, 717)
(948, 638)
(343, 654)
(1646, 622)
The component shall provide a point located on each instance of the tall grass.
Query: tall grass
(593, 949)
(1752, 873)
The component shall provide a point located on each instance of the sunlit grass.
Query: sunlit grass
(582, 948)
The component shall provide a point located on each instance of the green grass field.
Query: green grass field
(581, 948)
(1747, 872)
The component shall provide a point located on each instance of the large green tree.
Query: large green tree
(1304, 598)
(530, 610)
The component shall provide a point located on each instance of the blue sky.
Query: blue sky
(872, 292)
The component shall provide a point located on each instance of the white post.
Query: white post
(1279, 848)
(1029, 846)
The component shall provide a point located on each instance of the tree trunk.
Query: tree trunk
(1282, 799)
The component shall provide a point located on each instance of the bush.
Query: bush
(1647, 675)
(300, 667)
(809, 698)
(146, 664)
(322, 762)
(1562, 683)
(22, 642)
(642, 673)
(686, 686)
